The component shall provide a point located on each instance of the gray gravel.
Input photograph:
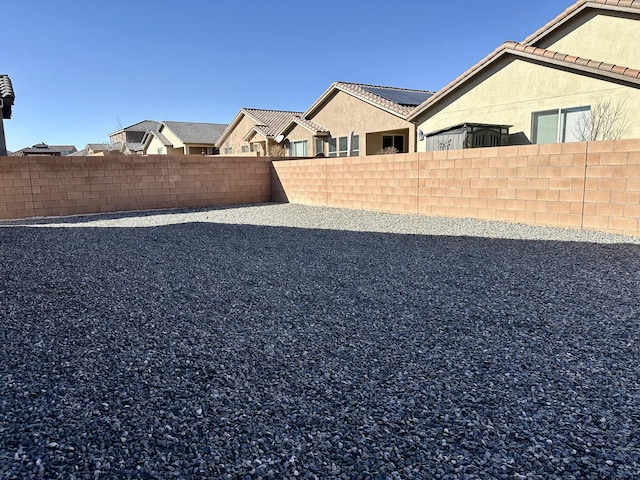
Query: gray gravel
(281, 341)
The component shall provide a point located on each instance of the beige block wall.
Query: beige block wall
(612, 187)
(16, 195)
(54, 186)
(593, 185)
(598, 37)
(512, 90)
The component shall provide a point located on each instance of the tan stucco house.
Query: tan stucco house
(253, 131)
(182, 138)
(352, 119)
(547, 87)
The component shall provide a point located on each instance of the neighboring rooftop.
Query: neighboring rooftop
(404, 97)
(269, 122)
(310, 125)
(193, 132)
(44, 149)
(397, 101)
(142, 126)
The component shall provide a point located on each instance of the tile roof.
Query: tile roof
(614, 5)
(542, 55)
(571, 60)
(269, 122)
(193, 132)
(7, 94)
(310, 125)
(6, 88)
(377, 95)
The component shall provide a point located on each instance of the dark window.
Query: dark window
(396, 141)
(333, 147)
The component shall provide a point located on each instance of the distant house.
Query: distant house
(253, 132)
(351, 119)
(549, 87)
(93, 149)
(7, 97)
(98, 150)
(182, 138)
(44, 149)
(128, 140)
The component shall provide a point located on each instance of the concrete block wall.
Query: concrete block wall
(54, 186)
(591, 185)
(612, 187)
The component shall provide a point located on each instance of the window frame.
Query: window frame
(294, 146)
(561, 120)
(343, 146)
(355, 145)
(393, 138)
(333, 147)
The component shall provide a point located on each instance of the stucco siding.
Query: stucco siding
(300, 134)
(344, 113)
(513, 89)
(235, 138)
(599, 37)
(172, 137)
(156, 147)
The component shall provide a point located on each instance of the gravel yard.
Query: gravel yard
(283, 341)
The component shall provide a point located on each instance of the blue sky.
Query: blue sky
(84, 69)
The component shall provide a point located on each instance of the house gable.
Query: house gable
(349, 110)
(393, 100)
(234, 137)
(341, 113)
(577, 61)
(133, 133)
(253, 128)
(513, 87)
(594, 31)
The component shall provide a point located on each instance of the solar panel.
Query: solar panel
(401, 97)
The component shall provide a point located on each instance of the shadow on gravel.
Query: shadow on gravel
(234, 351)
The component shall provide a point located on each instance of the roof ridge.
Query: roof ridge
(188, 121)
(548, 56)
(269, 110)
(383, 86)
(580, 4)
(573, 60)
